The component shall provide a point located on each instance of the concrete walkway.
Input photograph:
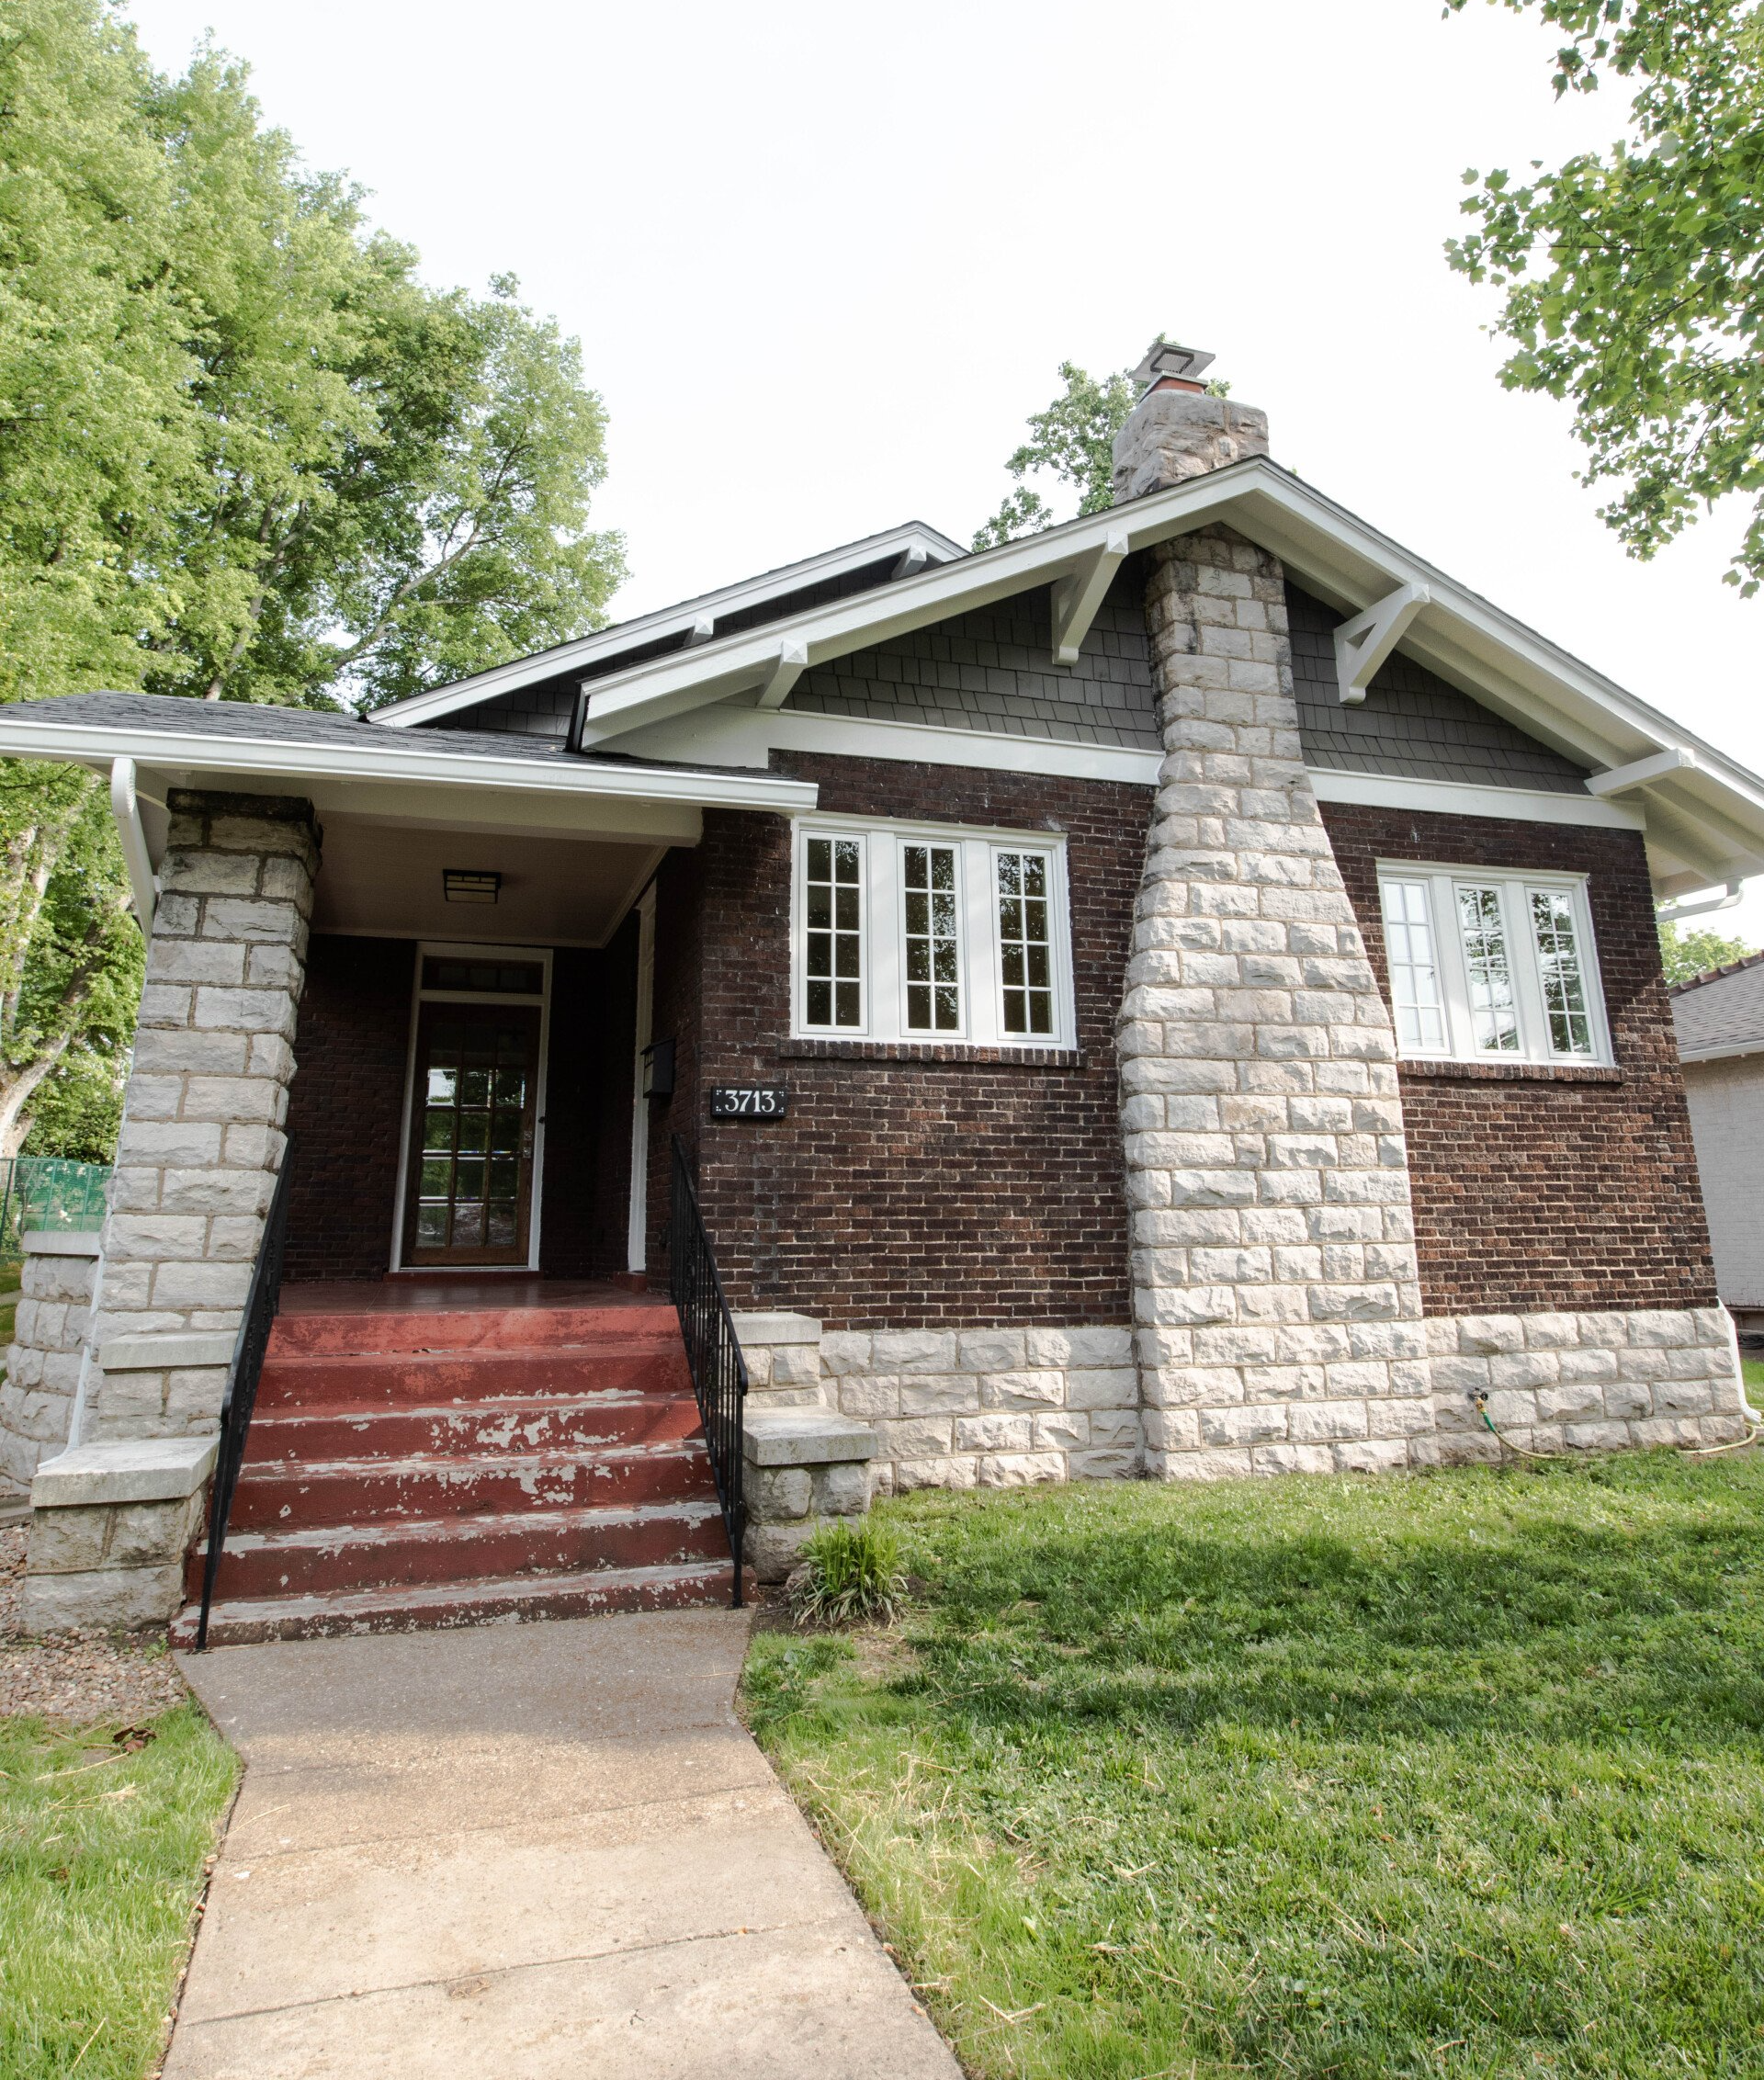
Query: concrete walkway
(539, 1850)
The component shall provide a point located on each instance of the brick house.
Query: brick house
(1719, 1018)
(1177, 995)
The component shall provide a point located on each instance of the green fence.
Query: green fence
(39, 1191)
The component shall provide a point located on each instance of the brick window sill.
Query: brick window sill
(946, 1054)
(1507, 1072)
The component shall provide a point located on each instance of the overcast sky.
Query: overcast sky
(824, 260)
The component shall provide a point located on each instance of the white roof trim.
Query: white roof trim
(914, 545)
(398, 759)
(1706, 815)
(1461, 797)
(1691, 1055)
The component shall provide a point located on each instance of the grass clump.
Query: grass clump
(1371, 1779)
(848, 1575)
(103, 1839)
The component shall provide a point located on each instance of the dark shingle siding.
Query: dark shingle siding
(545, 709)
(993, 670)
(1411, 723)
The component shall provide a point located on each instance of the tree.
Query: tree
(1632, 277)
(1687, 953)
(70, 955)
(396, 479)
(245, 453)
(1072, 440)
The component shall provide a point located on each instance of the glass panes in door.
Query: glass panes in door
(475, 1106)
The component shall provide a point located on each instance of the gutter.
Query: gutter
(394, 758)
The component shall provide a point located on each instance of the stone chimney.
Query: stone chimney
(1177, 431)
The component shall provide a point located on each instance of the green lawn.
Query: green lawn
(1449, 1775)
(101, 1855)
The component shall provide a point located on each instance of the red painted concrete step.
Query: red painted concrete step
(474, 1430)
(521, 1598)
(321, 1558)
(465, 1462)
(366, 1379)
(383, 1333)
(312, 1494)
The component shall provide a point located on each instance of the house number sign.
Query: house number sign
(748, 1101)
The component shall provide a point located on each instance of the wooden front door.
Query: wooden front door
(469, 1200)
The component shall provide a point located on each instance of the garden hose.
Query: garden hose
(1755, 1430)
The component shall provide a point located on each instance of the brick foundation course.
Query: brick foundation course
(1539, 1190)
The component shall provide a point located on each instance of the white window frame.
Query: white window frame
(981, 981)
(1441, 883)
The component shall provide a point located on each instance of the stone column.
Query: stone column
(201, 1144)
(1276, 1299)
(202, 1139)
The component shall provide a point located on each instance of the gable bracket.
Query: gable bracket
(1362, 644)
(787, 668)
(1639, 773)
(1078, 594)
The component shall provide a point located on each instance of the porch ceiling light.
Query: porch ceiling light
(461, 884)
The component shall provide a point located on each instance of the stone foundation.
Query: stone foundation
(37, 1395)
(1584, 1382)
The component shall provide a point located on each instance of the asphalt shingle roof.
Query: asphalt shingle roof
(1722, 1009)
(248, 722)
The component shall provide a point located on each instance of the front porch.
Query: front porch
(431, 1453)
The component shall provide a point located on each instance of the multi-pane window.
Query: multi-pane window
(1494, 1017)
(1025, 950)
(1554, 927)
(833, 933)
(907, 933)
(933, 938)
(1491, 967)
(1414, 971)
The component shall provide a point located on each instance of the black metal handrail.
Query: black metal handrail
(713, 1351)
(261, 1304)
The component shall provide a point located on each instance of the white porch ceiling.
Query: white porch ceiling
(383, 880)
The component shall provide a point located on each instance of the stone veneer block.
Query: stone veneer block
(42, 1375)
(802, 1465)
(202, 1139)
(1603, 1381)
(1262, 1125)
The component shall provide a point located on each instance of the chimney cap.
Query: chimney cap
(1165, 362)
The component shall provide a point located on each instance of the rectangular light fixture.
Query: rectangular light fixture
(463, 885)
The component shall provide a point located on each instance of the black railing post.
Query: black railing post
(713, 1351)
(259, 1318)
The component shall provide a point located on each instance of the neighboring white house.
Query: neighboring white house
(1720, 1020)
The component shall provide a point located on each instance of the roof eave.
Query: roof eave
(676, 619)
(185, 750)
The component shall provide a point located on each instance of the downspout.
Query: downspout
(135, 855)
(138, 861)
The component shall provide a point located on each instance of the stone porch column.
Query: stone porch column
(1276, 1299)
(197, 1162)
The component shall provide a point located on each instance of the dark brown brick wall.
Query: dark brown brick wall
(910, 1190)
(1538, 1189)
(344, 1105)
(346, 1098)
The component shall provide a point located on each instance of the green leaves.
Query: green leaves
(1072, 440)
(1631, 280)
(244, 451)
